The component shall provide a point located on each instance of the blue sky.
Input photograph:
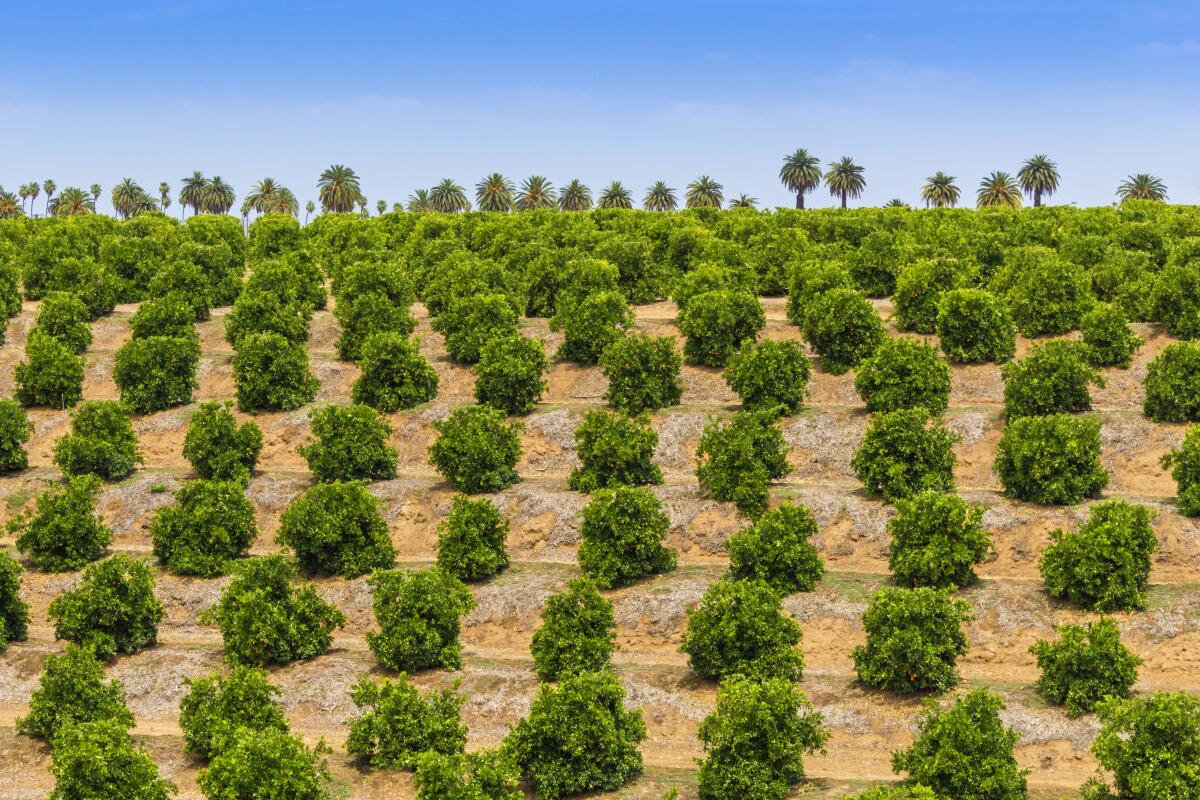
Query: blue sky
(409, 93)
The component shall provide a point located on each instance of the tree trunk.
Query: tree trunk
(1037, 198)
(800, 200)
(843, 199)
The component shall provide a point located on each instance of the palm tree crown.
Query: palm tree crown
(575, 197)
(743, 201)
(940, 191)
(218, 196)
(704, 192)
(338, 189)
(129, 199)
(9, 205)
(844, 179)
(998, 190)
(660, 197)
(615, 196)
(419, 201)
(1039, 176)
(1142, 186)
(192, 194)
(536, 192)
(800, 173)
(71, 203)
(269, 197)
(495, 193)
(448, 197)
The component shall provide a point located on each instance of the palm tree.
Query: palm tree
(164, 195)
(1039, 176)
(1143, 186)
(309, 207)
(127, 197)
(219, 197)
(704, 192)
(998, 190)
(800, 173)
(23, 191)
(536, 192)
(72, 202)
(34, 190)
(448, 197)
(247, 207)
(9, 206)
(844, 179)
(48, 187)
(381, 207)
(419, 201)
(287, 203)
(575, 197)
(269, 197)
(362, 207)
(660, 197)
(96, 192)
(338, 189)
(895, 202)
(615, 196)
(495, 193)
(743, 201)
(195, 186)
(397, 207)
(940, 191)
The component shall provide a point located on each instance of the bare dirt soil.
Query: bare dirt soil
(1012, 609)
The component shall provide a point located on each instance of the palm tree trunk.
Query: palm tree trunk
(800, 200)
(1037, 198)
(843, 199)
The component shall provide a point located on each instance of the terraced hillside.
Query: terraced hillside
(1011, 606)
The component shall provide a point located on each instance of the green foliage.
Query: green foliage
(1085, 666)
(1052, 379)
(1107, 338)
(266, 764)
(578, 633)
(112, 610)
(974, 327)
(218, 705)
(1173, 384)
(904, 373)
(64, 317)
(471, 322)
(365, 315)
(716, 324)
(295, 279)
(72, 690)
(965, 752)
(736, 460)
(936, 541)
(578, 737)
(509, 374)
(336, 529)
(905, 452)
(1150, 745)
(101, 442)
(776, 550)
(1052, 460)
(598, 321)
(1104, 565)
(1175, 301)
(272, 373)
(187, 280)
(756, 740)
(642, 372)
(265, 311)
(614, 450)
(98, 761)
(476, 449)
(622, 531)
(15, 431)
(351, 444)
(211, 524)
(810, 279)
(273, 235)
(164, 316)
(896, 792)
(63, 533)
(479, 775)
(919, 288)
(914, 639)
(218, 448)
(157, 372)
(1050, 296)
(399, 724)
(265, 619)
(470, 542)
(769, 375)
(418, 615)
(740, 628)
(844, 329)
(710, 277)
(1184, 464)
(394, 375)
(14, 612)
(51, 375)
